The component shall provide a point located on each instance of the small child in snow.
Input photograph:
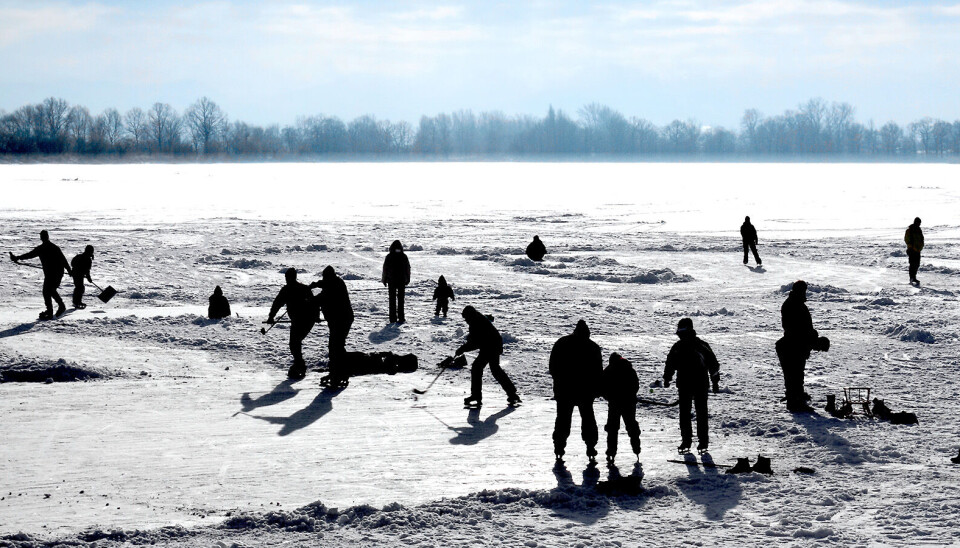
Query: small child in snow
(443, 294)
(620, 386)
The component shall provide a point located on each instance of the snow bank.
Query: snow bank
(47, 371)
(910, 334)
(815, 288)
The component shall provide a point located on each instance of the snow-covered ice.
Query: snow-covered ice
(184, 431)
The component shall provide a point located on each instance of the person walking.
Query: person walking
(913, 237)
(335, 304)
(483, 336)
(696, 368)
(620, 388)
(443, 294)
(793, 349)
(576, 365)
(53, 264)
(396, 277)
(81, 265)
(748, 233)
(302, 311)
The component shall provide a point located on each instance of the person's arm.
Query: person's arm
(670, 367)
(65, 262)
(406, 270)
(35, 252)
(470, 344)
(713, 366)
(277, 303)
(383, 277)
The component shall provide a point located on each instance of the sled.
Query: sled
(857, 397)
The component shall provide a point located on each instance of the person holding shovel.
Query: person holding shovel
(81, 264)
(53, 264)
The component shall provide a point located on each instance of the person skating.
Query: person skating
(619, 387)
(219, 307)
(53, 264)
(748, 233)
(536, 250)
(483, 336)
(81, 265)
(338, 312)
(793, 349)
(696, 368)
(302, 311)
(396, 276)
(914, 240)
(576, 365)
(443, 294)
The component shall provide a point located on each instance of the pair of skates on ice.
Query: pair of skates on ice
(475, 402)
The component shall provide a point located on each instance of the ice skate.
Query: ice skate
(472, 402)
(60, 310)
(514, 400)
(684, 447)
(702, 447)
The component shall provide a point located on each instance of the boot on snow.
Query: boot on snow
(60, 310)
(298, 370)
(513, 399)
(684, 447)
(702, 447)
(762, 465)
(742, 467)
(592, 455)
(472, 401)
(45, 315)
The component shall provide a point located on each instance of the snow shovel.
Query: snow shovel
(105, 294)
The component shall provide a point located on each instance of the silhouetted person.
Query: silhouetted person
(696, 367)
(793, 349)
(219, 306)
(914, 240)
(483, 336)
(536, 250)
(302, 311)
(619, 387)
(749, 234)
(576, 365)
(81, 265)
(53, 263)
(338, 312)
(443, 294)
(396, 276)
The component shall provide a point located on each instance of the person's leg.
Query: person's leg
(446, 306)
(48, 291)
(78, 291)
(392, 290)
(476, 377)
(401, 290)
(613, 428)
(703, 434)
(588, 426)
(686, 429)
(746, 247)
(629, 414)
(561, 428)
(756, 256)
(437, 311)
(501, 376)
(914, 258)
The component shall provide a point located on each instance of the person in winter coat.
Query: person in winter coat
(576, 365)
(396, 277)
(302, 311)
(219, 305)
(793, 349)
(81, 265)
(53, 264)
(620, 387)
(536, 250)
(696, 368)
(748, 233)
(443, 294)
(914, 240)
(483, 336)
(335, 304)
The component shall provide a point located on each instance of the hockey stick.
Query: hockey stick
(645, 401)
(264, 330)
(697, 463)
(424, 391)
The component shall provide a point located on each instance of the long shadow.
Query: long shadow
(14, 331)
(280, 393)
(716, 492)
(581, 504)
(320, 406)
(819, 428)
(478, 430)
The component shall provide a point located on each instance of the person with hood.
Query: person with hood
(53, 264)
(81, 265)
(536, 250)
(914, 240)
(483, 336)
(619, 387)
(576, 365)
(396, 276)
(696, 368)
(793, 349)
(219, 305)
(748, 233)
(302, 311)
(335, 304)
(443, 294)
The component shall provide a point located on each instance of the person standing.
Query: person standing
(748, 233)
(620, 387)
(338, 312)
(696, 368)
(443, 294)
(536, 250)
(396, 277)
(81, 265)
(302, 311)
(576, 365)
(914, 240)
(793, 349)
(53, 264)
(219, 307)
(483, 336)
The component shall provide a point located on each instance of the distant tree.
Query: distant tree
(921, 132)
(79, 123)
(206, 123)
(681, 137)
(891, 138)
(135, 124)
(164, 126)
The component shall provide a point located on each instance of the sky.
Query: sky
(270, 62)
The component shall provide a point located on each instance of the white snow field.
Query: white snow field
(182, 431)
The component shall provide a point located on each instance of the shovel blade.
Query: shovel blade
(108, 293)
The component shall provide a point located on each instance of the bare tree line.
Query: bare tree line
(815, 128)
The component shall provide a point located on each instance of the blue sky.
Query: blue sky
(272, 61)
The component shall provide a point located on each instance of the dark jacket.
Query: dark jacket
(81, 265)
(396, 266)
(620, 383)
(536, 250)
(334, 299)
(798, 331)
(576, 365)
(219, 306)
(913, 237)
(300, 302)
(443, 292)
(482, 336)
(748, 232)
(51, 259)
(694, 363)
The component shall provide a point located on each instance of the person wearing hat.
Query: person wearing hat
(914, 240)
(793, 349)
(219, 307)
(396, 277)
(576, 365)
(696, 367)
(81, 265)
(335, 304)
(53, 264)
(303, 313)
(748, 233)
